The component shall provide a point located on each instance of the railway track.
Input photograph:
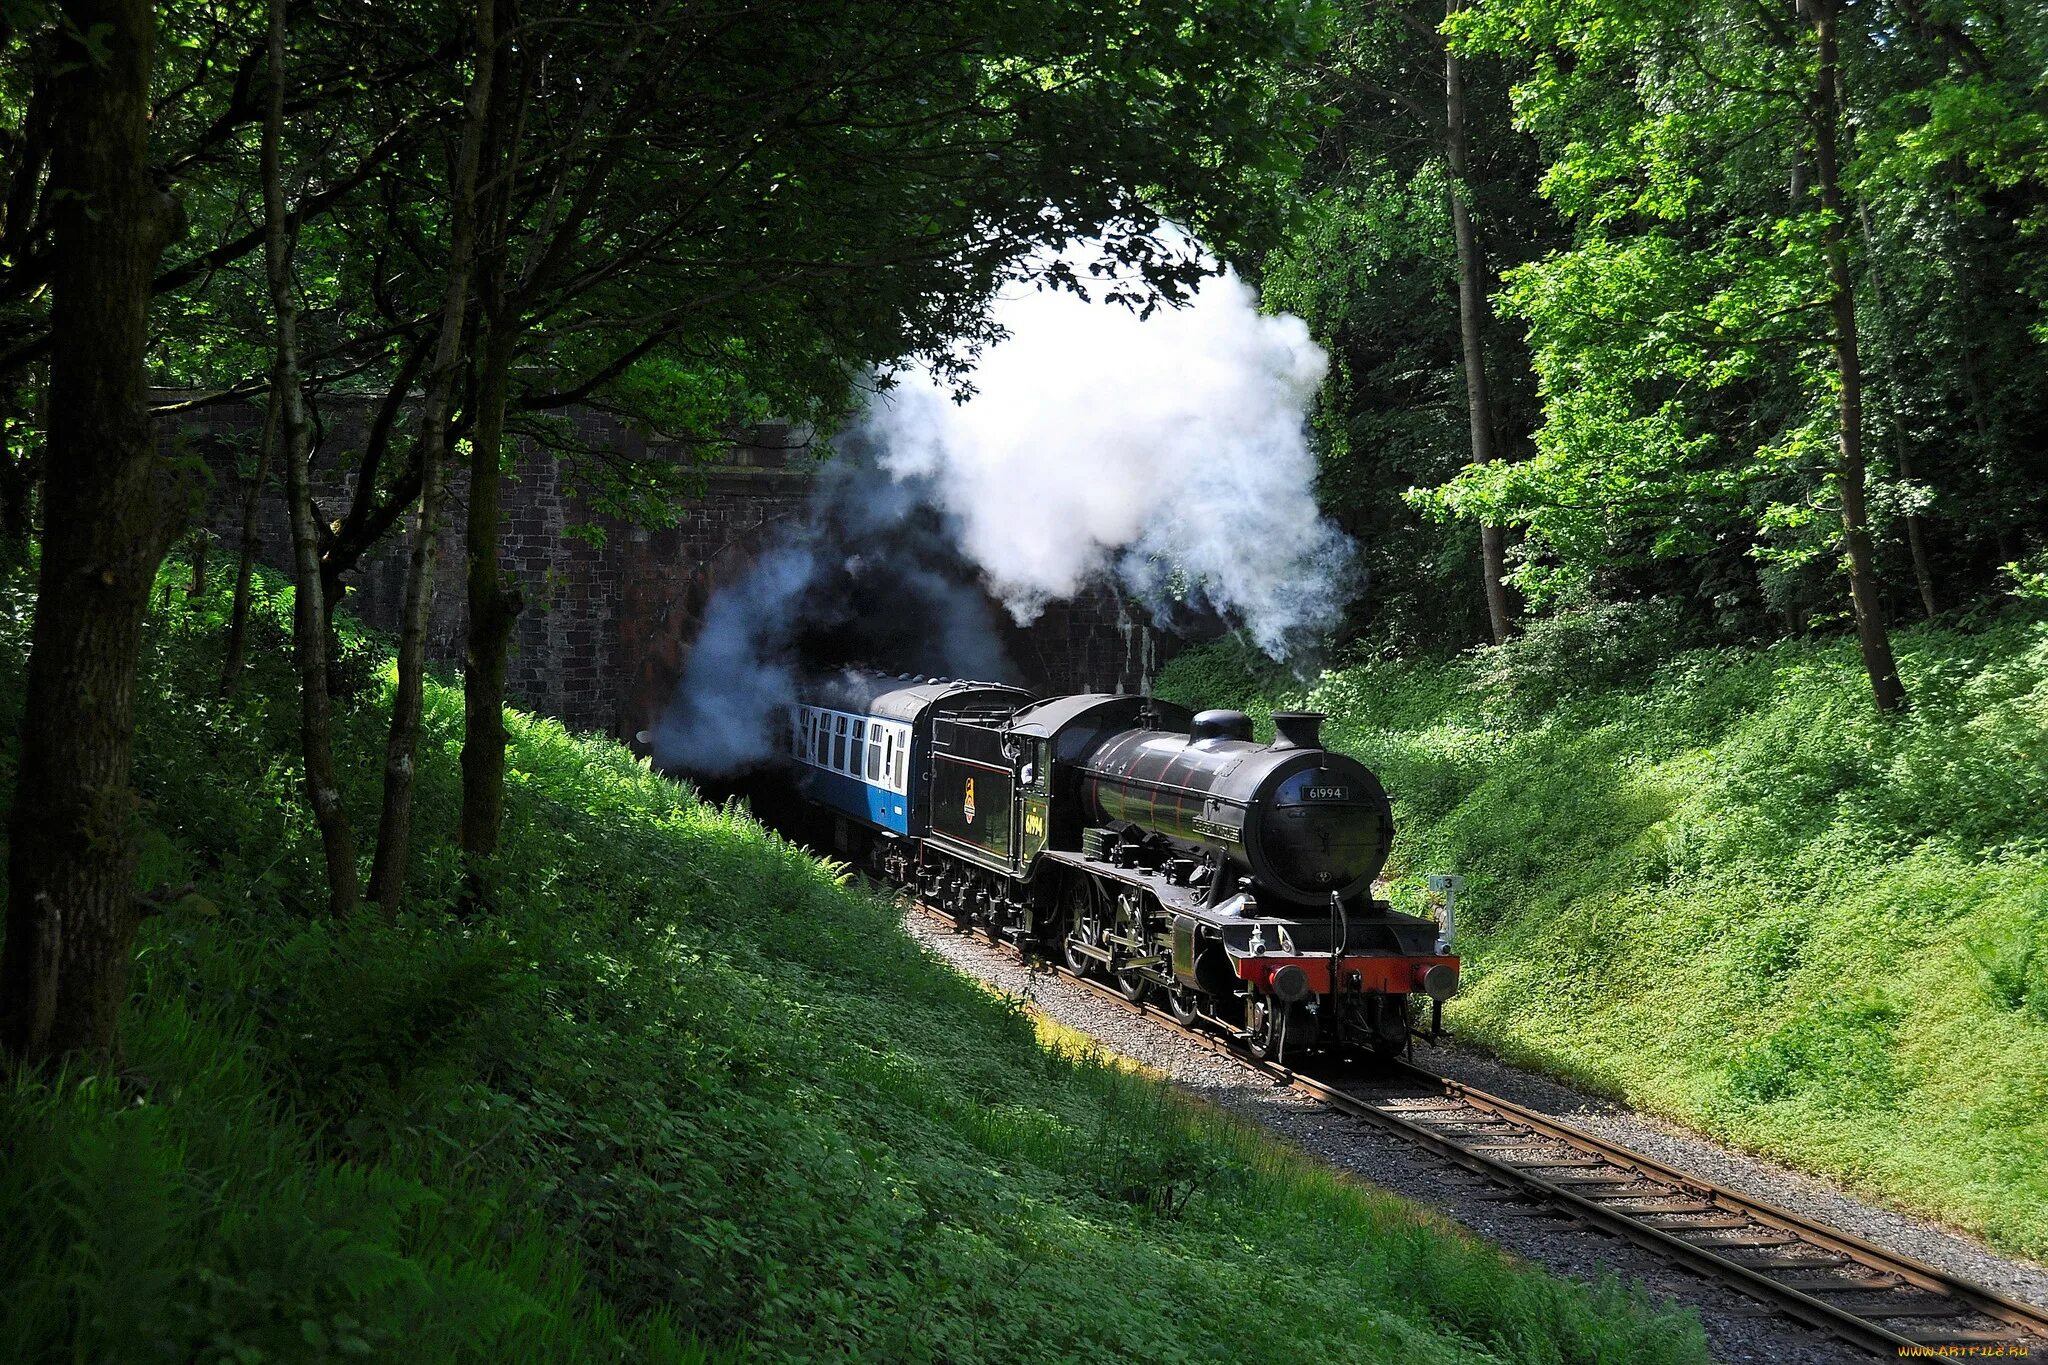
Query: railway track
(1874, 1298)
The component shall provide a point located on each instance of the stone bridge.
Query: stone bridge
(610, 618)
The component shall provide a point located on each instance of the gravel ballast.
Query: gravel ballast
(1738, 1328)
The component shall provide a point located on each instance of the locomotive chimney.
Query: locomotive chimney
(1297, 730)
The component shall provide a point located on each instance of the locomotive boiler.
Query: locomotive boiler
(1170, 852)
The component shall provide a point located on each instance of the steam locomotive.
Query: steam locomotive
(1165, 850)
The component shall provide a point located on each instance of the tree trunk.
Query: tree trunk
(17, 488)
(71, 908)
(245, 561)
(295, 427)
(1886, 688)
(494, 605)
(1916, 541)
(202, 543)
(1502, 605)
(394, 825)
(2005, 541)
(493, 610)
(1795, 189)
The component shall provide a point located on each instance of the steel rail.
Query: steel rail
(1803, 1267)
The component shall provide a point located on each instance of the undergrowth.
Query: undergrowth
(677, 1094)
(1720, 885)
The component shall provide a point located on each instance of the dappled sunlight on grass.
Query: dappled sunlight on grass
(676, 1082)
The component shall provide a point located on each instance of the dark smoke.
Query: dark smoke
(871, 581)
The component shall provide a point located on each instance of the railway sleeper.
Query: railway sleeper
(1763, 1258)
(1715, 1241)
(1664, 1205)
(1840, 1284)
(1487, 1126)
(1658, 1220)
(1931, 1308)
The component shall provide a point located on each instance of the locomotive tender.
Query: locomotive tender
(1166, 850)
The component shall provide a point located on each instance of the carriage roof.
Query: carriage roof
(906, 697)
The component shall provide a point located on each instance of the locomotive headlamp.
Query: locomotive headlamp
(1290, 983)
(1440, 983)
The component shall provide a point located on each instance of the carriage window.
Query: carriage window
(889, 759)
(853, 750)
(838, 742)
(875, 754)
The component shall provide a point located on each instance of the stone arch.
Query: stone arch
(666, 586)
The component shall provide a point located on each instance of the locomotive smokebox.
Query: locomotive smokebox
(1306, 823)
(1297, 730)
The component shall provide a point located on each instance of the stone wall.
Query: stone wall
(610, 617)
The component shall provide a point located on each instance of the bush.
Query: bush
(1577, 652)
(2013, 968)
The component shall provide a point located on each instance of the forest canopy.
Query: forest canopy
(1764, 288)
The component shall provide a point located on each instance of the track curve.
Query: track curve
(1859, 1292)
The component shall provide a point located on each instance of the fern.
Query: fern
(120, 1196)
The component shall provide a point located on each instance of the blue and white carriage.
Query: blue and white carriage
(862, 747)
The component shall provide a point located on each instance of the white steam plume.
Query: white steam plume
(1164, 450)
(1167, 452)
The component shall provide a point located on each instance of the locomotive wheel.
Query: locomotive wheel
(1390, 1027)
(1132, 987)
(1264, 1034)
(1130, 923)
(1274, 1032)
(1184, 1005)
(1083, 919)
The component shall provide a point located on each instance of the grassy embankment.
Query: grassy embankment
(680, 1086)
(1721, 886)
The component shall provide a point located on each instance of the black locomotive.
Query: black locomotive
(1166, 850)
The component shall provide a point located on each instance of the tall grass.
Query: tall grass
(678, 1094)
(1718, 884)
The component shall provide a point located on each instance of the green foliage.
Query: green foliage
(1716, 884)
(1843, 1051)
(679, 1083)
(2014, 969)
(1369, 264)
(2030, 580)
(1574, 652)
(1682, 341)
